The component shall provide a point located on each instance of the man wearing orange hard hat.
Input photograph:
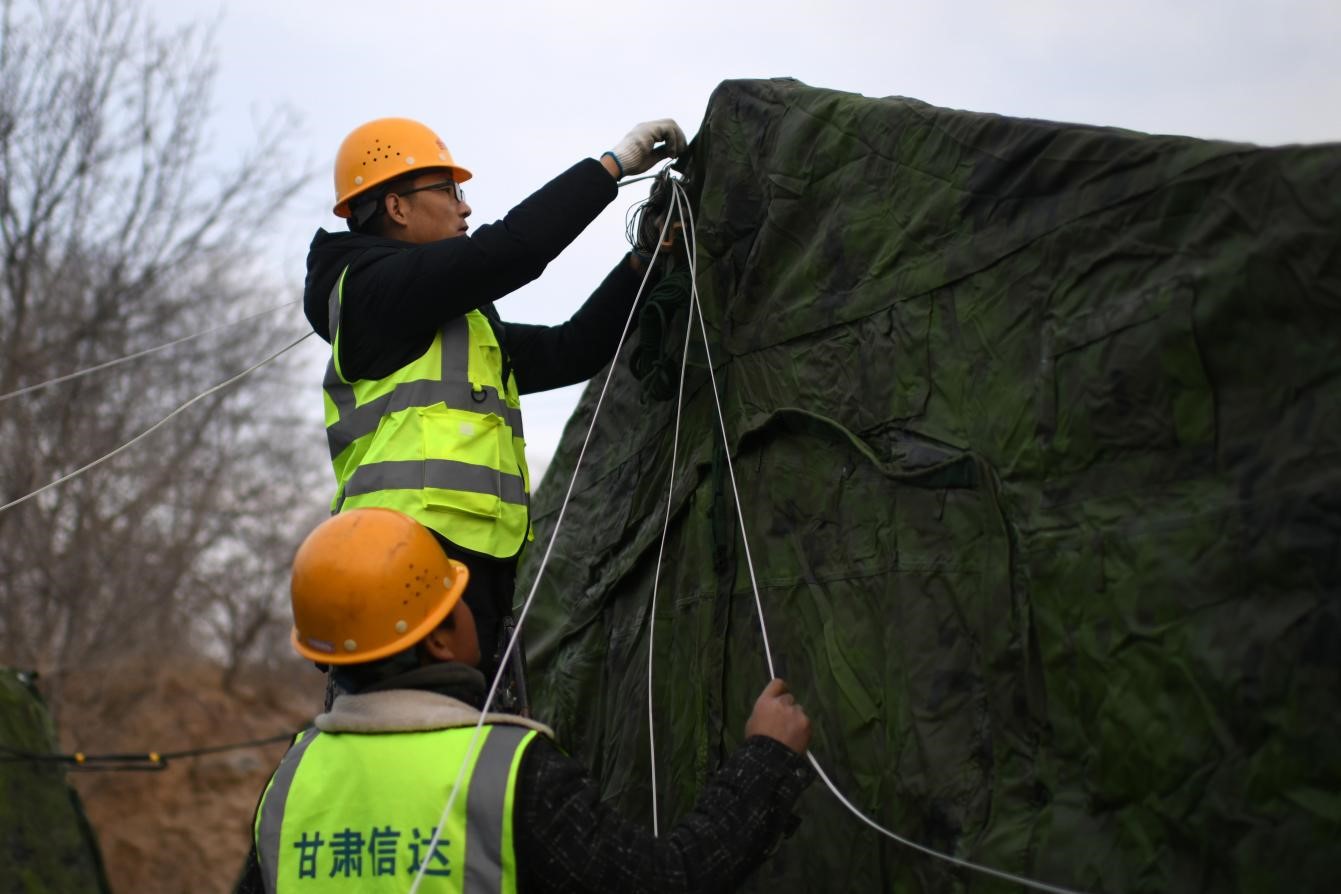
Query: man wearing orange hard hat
(423, 389)
(357, 801)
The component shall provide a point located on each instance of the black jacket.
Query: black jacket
(567, 839)
(397, 295)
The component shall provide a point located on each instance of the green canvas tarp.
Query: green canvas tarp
(1037, 429)
(48, 846)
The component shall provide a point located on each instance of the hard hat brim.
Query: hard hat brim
(341, 209)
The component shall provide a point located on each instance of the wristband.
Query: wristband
(616, 159)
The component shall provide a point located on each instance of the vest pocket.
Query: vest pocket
(462, 459)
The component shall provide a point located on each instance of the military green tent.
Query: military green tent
(1037, 430)
(48, 847)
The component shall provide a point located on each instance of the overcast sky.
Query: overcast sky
(521, 89)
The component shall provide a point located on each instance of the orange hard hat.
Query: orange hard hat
(383, 150)
(369, 583)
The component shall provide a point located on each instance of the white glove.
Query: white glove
(635, 153)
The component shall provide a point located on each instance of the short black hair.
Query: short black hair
(367, 212)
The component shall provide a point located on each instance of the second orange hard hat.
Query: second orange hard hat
(369, 583)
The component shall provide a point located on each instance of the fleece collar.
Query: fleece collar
(428, 698)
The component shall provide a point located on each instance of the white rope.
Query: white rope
(153, 428)
(137, 355)
(535, 584)
(627, 180)
(695, 309)
(987, 870)
(763, 629)
(661, 549)
(726, 444)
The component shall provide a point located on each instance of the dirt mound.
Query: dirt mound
(185, 827)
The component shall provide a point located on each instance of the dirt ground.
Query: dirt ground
(185, 828)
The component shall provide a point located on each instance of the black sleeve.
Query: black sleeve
(567, 840)
(250, 881)
(545, 357)
(396, 298)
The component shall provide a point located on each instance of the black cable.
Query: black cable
(138, 760)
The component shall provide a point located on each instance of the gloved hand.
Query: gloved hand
(635, 153)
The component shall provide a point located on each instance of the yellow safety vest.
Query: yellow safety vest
(440, 439)
(356, 812)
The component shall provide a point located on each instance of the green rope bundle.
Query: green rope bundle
(654, 363)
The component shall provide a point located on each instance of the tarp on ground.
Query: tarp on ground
(1037, 429)
(46, 843)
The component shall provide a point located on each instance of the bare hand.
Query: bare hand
(777, 715)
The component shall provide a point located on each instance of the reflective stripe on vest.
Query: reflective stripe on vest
(363, 807)
(269, 821)
(451, 453)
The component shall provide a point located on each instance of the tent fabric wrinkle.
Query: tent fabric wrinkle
(1037, 433)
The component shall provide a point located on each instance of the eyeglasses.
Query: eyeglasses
(450, 186)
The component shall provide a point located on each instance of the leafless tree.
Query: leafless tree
(118, 235)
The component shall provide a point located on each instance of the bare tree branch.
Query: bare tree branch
(116, 234)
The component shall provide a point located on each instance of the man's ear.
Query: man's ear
(439, 644)
(395, 208)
